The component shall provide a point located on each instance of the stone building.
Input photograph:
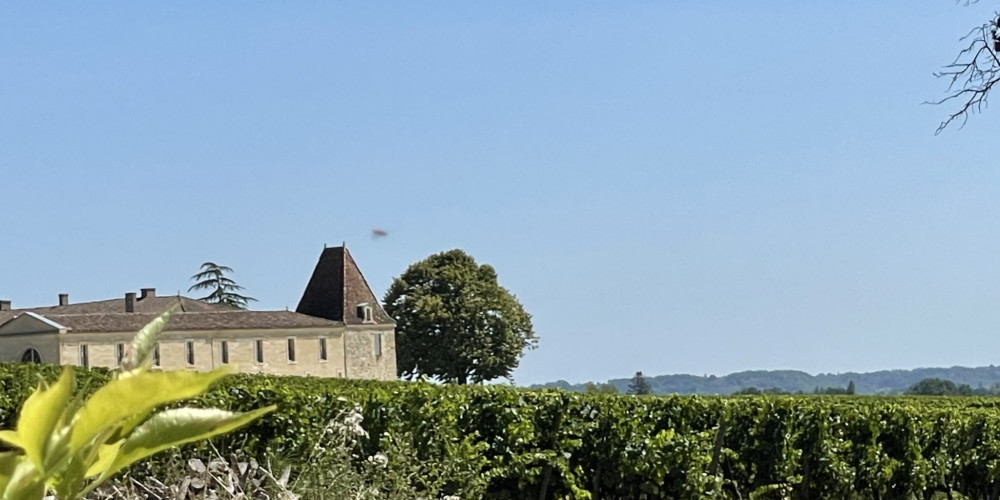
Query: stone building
(338, 330)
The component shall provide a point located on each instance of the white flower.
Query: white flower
(379, 459)
(352, 422)
(350, 425)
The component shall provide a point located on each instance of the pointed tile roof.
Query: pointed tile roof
(337, 288)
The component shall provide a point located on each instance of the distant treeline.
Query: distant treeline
(925, 387)
(850, 390)
(978, 381)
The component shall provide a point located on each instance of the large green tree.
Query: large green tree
(455, 323)
(224, 291)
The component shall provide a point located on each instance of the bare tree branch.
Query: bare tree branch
(973, 73)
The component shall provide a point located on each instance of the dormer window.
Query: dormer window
(365, 313)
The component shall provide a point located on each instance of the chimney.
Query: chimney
(64, 299)
(130, 302)
(4, 305)
(147, 292)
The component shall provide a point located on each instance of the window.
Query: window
(189, 351)
(365, 313)
(378, 344)
(224, 351)
(156, 355)
(322, 349)
(84, 358)
(258, 350)
(119, 354)
(31, 356)
(291, 350)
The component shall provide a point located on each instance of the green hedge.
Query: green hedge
(520, 442)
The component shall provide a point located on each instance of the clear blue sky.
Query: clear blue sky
(699, 187)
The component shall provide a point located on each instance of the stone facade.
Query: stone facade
(13, 347)
(346, 333)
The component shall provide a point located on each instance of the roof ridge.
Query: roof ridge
(153, 313)
(99, 313)
(343, 282)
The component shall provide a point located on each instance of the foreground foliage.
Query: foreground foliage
(67, 446)
(501, 442)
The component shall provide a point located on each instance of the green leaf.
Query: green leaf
(120, 400)
(175, 427)
(145, 341)
(24, 482)
(39, 416)
(127, 425)
(12, 438)
(105, 457)
(8, 463)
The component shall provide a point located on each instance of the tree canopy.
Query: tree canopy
(225, 291)
(455, 323)
(939, 387)
(592, 388)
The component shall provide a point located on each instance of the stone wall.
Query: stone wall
(12, 347)
(350, 351)
(208, 346)
(362, 359)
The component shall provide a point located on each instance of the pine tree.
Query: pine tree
(224, 289)
(638, 385)
(850, 387)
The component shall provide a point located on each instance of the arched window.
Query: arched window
(31, 356)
